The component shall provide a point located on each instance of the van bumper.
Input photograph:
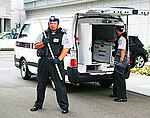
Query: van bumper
(75, 77)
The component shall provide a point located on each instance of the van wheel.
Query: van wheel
(105, 83)
(25, 74)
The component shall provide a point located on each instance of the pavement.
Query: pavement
(139, 83)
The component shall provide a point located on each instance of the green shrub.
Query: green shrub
(143, 71)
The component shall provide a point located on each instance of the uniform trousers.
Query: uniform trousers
(119, 86)
(47, 69)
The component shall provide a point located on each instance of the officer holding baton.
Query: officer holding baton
(60, 46)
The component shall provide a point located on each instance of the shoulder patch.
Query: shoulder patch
(120, 42)
(67, 40)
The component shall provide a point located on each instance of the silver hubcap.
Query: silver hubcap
(139, 61)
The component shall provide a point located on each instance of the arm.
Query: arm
(67, 45)
(122, 47)
(39, 45)
(63, 53)
(122, 54)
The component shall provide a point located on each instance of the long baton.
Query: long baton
(50, 49)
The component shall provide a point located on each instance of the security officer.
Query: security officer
(121, 47)
(46, 65)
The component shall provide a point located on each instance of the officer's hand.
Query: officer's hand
(56, 61)
(45, 41)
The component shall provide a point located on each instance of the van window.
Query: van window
(25, 31)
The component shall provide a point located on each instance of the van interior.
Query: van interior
(94, 49)
(101, 48)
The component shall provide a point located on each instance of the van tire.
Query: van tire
(105, 83)
(25, 73)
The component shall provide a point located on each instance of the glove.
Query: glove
(120, 67)
(45, 41)
(56, 60)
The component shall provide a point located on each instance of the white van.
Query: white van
(90, 58)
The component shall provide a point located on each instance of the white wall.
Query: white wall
(5, 7)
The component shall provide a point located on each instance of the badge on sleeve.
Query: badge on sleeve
(55, 40)
(120, 42)
(67, 41)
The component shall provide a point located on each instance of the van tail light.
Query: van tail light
(73, 60)
(77, 38)
(73, 63)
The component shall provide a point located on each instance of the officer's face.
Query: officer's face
(53, 26)
(117, 31)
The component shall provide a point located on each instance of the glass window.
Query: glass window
(25, 31)
(7, 36)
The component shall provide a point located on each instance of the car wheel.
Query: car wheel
(25, 74)
(139, 61)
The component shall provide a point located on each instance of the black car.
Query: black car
(138, 55)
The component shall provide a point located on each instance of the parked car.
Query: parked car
(138, 55)
(7, 40)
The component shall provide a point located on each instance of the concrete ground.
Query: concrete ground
(139, 83)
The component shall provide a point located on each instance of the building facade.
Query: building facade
(5, 15)
(138, 26)
(17, 12)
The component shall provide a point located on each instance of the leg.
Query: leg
(121, 86)
(114, 88)
(42, 82)
(61, 92)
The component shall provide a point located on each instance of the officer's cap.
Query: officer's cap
(53, 19)
(120, 27)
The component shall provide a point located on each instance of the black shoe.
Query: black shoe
(35, 108)
(65, 111)
(112, 95)
(120, 100)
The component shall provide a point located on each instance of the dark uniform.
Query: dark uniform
(46, 68)
(119, 86)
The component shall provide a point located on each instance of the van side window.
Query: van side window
(25, 31)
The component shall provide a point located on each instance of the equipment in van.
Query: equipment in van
(51, 52)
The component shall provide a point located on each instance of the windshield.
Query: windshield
(25, 31)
